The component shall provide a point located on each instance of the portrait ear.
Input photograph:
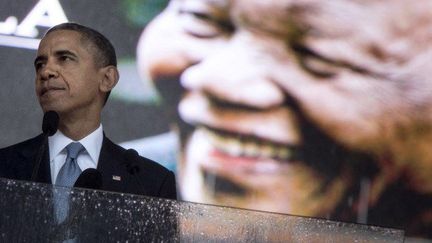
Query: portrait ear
(109, 79)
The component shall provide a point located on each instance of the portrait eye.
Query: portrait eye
(314, 63)
(203, 24)
(318, 67)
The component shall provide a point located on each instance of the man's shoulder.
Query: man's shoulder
(157, 177)
(24, 145)
(14, 159)
(151, 178)
(151, 166)
(162, 148)
(148, 165)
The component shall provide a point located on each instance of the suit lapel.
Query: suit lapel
(112, 167)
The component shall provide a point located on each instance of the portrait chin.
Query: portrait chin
(223, 170)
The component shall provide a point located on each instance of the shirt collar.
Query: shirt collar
(92, 143)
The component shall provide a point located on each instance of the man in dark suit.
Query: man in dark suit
(76, 68)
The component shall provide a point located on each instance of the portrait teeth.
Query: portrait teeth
(236, 145)
(251, 149)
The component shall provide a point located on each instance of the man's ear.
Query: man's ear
(109, 79)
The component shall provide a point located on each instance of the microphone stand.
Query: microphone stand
(49, 127)
(39, 156)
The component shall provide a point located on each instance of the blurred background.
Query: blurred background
(136, 115)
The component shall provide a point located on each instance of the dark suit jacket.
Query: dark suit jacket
(152, 179)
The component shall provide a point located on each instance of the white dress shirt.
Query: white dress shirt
(86, 159)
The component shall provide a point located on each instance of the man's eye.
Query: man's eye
(39, 65)
(65, 58)
(204, 25)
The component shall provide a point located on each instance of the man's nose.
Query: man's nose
(237, 73)
(49, 71)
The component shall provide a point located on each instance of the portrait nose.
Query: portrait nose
(237, 73)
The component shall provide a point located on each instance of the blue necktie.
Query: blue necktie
(66, 177)
(70, 171)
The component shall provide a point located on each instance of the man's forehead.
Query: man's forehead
(276, 4)
(62, 39)
(274, 16)
(254, 2)
(287, 5)
(59, 37)
(292, 7)
(321, 16)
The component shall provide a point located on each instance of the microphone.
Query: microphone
(132, 165)
(132, 156)
(50, 123)
(49, 127)
(89, 178)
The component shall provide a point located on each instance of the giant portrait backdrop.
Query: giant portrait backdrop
(311, 108)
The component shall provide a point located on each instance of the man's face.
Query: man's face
(281, 94)
(67, 79)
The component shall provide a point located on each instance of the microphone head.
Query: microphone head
(131, 154)
(89, 178)
(132, 159)
(50, 123)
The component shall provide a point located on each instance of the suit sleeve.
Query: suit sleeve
(3, 163)
(6, 169)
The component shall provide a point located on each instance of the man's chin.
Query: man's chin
(50, 106)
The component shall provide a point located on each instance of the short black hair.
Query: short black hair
(104, 54)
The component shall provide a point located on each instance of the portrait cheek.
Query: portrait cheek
(162, 54)
(160, 50)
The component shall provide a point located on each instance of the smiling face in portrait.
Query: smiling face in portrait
(277, 107)
(67, 78)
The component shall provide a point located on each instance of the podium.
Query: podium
(101, 216)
